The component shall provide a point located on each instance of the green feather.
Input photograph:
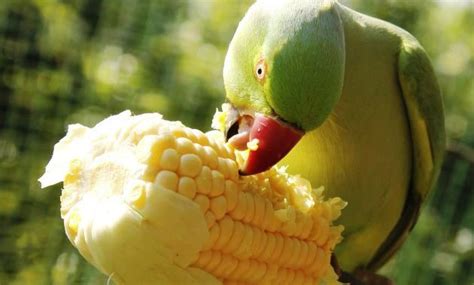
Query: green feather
(313, 46)
(425, 111)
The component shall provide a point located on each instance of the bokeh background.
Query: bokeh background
(74, 61)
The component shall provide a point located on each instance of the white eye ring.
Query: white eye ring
(260, 70)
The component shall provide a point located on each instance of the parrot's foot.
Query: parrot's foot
(360, 276)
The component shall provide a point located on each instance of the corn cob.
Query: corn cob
(149, 201)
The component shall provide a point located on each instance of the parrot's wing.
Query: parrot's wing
(424, 107)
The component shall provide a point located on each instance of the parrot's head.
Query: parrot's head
(283, 74)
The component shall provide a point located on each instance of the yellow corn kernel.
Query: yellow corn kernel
(259, 271)
(250, 212)
(312, 250)
(204, 180)
(256, 239)
(217, 147)
(242, 267)
(278, 250)
(178, 131)
(289, 227)
(223, 265)
(299, 278)
(218, 206)
(169, 159)
(251, 274)
(288, 249)
(167, 179)
(295, 254)
(214, 234)
(218, 183)
(318, 260)
(211, 157)
(200, 151)
(226, 226)
(222, 167)
(244, 251)
(233, 169)
(269, 247)
(187, 187)
(239, 211)
(304, 253)
(185, 146)
(215, 261)
(202, 201)
(201, 138)
(236, 239)
(210, 218)
(271, 274)
(260, 240)
(204, 258)
(290, 276)
(231, 195)
(190, 165)
(229, 263)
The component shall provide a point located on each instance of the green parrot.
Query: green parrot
(346, 100)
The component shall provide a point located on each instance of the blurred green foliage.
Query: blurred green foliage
(82, 60)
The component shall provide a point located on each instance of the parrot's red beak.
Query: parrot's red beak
(267, 138)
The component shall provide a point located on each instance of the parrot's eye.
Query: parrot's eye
(260, 70)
